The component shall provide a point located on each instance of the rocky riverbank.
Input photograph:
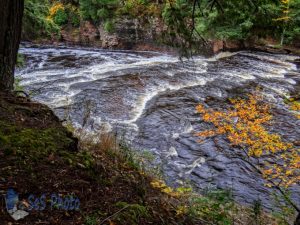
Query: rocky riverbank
(133, 34)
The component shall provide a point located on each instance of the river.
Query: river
(150, 99)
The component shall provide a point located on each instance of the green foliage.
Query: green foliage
(131, 213)
(139, 160)
(140, 9)
(240, 19)
(86, 159)
(215, 206)
(31, 144)
(291, 28)
(109, 26)
(228, 20)
(91, 220)
(17, 86)
(129, 156)
(35, 22)
(257, 211)
(177, 16)
(74, 17)
(284, 212)
(98, 9)
(61, 17)
(231, 20)
(64, 14)
(45, 18)
(20, 60)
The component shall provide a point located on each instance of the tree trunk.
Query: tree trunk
(11, 13)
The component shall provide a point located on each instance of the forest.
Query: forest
(208, 19)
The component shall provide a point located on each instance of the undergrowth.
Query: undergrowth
(213, 206)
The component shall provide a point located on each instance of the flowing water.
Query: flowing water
(150, 98)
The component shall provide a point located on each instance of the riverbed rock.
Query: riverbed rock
(218, 46)
(232, 45)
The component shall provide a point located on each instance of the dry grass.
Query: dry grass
(96, 142)
(107, 141)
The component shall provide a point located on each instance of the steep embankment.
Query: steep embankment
(39, 156)
(128, 33)
(136, 34)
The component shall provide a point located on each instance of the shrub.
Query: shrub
(98, 9)
(109, 26)
(60, 17)
(63, 14)
(36, 22)
(216, 206)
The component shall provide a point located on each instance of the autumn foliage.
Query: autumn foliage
(295, 107)
(54, 9)
(245, 124)
(285, 5)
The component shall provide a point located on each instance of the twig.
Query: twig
(195, 3)
(114, 214)
(275, 186)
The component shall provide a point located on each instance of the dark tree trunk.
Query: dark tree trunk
(11, 13)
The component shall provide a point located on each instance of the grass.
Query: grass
(20, 60)
(91, 220)
(130, 212)
(17, 86)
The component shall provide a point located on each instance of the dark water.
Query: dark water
(151, 97)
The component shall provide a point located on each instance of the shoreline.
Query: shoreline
(209, 50)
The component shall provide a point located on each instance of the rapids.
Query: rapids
(150, 99)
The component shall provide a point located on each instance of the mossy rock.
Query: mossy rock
(31, 130)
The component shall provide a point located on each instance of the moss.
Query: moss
(33, 143)
(20, 60)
